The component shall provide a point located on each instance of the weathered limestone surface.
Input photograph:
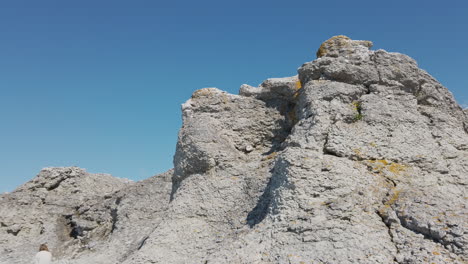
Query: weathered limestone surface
(42, 210)
(360, 158)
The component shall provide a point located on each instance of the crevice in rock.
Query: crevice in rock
(56, 184)
(392, 181)
(383, 214)
(114, 215)
(403, 222)
(76, 230)
(417, 94)
(425, 233)
(431, 120)
(118, 200)
(298, 231)
(142, 243)
(368, 90)
(174, 187)
(327, 151)
(374, 60)
(260, 211)
(287, 108)
(390, 234)
(265, 202)
(13, 232)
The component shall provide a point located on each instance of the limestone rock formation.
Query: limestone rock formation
(360, 158)
(43, 210)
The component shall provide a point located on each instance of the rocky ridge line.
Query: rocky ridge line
(360, 158)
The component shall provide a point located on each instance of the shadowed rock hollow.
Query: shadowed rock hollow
(360, 158)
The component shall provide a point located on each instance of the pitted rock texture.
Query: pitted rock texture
(360, 158)
(41, 210)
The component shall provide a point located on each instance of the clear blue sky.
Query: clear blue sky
(98, 84)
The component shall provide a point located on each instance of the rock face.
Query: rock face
(361, 158)
(44, 210)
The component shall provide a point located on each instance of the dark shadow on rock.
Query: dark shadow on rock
(266, 203)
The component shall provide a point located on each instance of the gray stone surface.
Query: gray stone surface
(42, 210)
(360, 158)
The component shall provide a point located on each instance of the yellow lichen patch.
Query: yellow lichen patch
(296, 94)
(378, 165)
(336, 40)
(372, 144)
(435, 253)
(298, 85)
(358, 152)
(396, 168)
(382, 161)
(205, 92)
(391, 201)
(393, 198)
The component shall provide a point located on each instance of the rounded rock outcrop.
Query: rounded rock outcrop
(342, 46)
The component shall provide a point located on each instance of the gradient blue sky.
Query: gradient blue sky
(98, 84)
